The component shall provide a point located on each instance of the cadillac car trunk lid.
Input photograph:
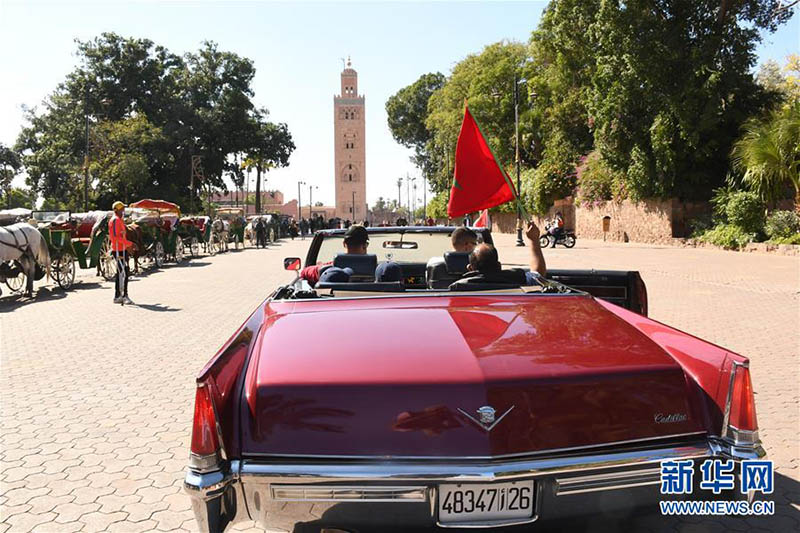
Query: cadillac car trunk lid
(459, 376)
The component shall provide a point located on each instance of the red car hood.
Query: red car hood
(403, 376)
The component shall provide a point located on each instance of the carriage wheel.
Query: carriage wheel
(108, 265)
(17, 283)
(64, 268)
(194, 247)
(178, 250)
(158, 255)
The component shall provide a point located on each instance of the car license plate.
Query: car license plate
(485, 502)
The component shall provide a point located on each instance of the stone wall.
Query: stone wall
(651, 221)
(647, 221)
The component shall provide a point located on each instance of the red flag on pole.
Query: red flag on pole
(483, 220)
(479, 181)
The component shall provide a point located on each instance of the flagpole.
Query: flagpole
(520, 242)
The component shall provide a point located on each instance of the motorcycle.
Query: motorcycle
(567, 238)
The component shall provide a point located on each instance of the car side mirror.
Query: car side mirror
(291, 263)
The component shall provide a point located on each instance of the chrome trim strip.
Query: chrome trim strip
(664, 438)
(607, 481)
(255, 472)
(437, 293)
(349, 493)
(729, 398)
(743, 437)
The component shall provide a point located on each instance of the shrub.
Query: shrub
(746, 210)
(782, 225)
(728, 236)
(794, 239)
(699, 225)
(597, 182)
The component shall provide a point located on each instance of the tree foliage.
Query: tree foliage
(149, 111)
(9, 167)
(767, 156)
(407, 112)
(655, 90)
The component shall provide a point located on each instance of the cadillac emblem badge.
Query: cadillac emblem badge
(486, 417)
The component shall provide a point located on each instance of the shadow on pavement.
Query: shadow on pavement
(158, 307)
(9, 302)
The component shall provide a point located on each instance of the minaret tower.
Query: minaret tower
(350, 156)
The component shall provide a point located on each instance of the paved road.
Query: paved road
(97, 399)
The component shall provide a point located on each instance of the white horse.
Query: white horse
(23, 243)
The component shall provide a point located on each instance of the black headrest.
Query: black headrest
(456, 262)
(362, 264)
(383, 286)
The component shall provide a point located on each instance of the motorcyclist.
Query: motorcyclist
(557, 228)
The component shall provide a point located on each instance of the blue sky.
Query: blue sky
(296, 49)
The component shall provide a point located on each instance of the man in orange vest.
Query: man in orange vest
(119, 247)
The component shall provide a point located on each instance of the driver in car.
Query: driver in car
(484, 262)
(356, 241)
(464, 239)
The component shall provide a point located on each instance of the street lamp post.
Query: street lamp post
(299, 183)
(425, 198)
(399, 185)
(86, 152)
(414, 200)
(310, 212)
(353, 209)
(520, 242)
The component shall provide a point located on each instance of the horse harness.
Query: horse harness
(20, 248)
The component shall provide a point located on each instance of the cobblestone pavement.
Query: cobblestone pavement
(97, 399)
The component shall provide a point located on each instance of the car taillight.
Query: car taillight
(204, 430)
(743, 406)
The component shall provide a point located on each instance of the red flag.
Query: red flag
(483, 220)
(479, 181)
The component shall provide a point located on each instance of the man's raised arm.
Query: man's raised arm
(537, 258)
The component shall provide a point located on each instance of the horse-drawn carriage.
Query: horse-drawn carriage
(234, 217)
(74, 238)
(156, 222)
(24, 256)
(194, 232)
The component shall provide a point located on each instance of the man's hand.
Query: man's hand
(537, 259)
(532, 232)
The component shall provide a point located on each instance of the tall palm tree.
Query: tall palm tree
(767, 156)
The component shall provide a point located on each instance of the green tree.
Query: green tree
(671, 85)
(767, 155)
(201, 104)
(270, 146)
(19, 197)
(407, 112)
(486, 80)
(120, 163)
(9, 167)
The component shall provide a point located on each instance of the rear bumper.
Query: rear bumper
(281, 492)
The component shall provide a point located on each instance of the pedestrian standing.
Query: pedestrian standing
(117, 232)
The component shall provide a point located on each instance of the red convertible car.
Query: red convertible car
(430, 402)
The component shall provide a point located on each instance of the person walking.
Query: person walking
(119, 249)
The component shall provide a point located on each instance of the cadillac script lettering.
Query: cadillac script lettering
(661, 418)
